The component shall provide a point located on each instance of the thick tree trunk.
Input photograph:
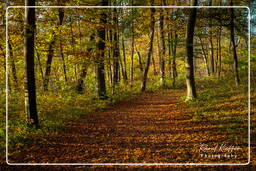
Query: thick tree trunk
(100, 70)
(150, 50)
(30, 86)
(232, 38)
(190, 80)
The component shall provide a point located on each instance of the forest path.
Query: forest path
(152, 127)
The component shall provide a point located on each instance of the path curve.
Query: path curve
(151, 128)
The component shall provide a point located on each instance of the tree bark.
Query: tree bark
(61, 17)
(219, 49)
(100, 70)
(140, 61)
(162, 49)
(232, 38)
(13, 66)
(30, 86)
(173, 63)
(116, 53)
(150, 50)
(124, 56)
(48, 64)
(190, 80)
(132, 56)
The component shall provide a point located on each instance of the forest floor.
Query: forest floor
(154, 127)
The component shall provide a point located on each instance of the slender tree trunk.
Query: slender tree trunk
(100, 70)
(110, 50)
(83, 73)
(174, 48)
(162, 48)
(140, 61)
(219, 49)
(48, 64)
(190, 80)
(132, 58)
(169, 53)
(4, 65)
(150, 50)
(39, 64)
(30, 86)
(61, 17)
(212, 69)
(116, 53)
(205, 56)
(124, 56)
(212, 53)
(122, 68)
(13, 66)
(154, 64)
(73, 47)
(232, 38)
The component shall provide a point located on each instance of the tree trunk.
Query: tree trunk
(190, 80)
(73, 47)
(132, 55)
(61, 17)
(212, 69)
(232, 38)
(150, 50)
(110, 50)
(30, 86)
(212, 53)
(219, 49)
(205, 56)
(48, 64)
(80, 81)
(174, 48)
(39, 64)
(162, 49)
(13, 66)
(124, 56)
(116, 53)
(100, 70)
(140, 61)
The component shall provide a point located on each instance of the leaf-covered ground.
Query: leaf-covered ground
(151, 128)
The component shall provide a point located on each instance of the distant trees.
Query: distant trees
(106, 50)
(30, 87)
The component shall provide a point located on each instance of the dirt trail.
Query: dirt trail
(151, 128)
